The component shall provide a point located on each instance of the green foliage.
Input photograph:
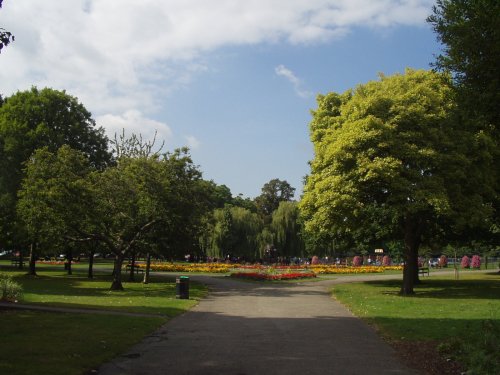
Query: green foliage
(287, 230)
(10, 289)
(470, 33)
(234, 231)
(118, 206)
(273, 192)
(34, 119)
(390, 163)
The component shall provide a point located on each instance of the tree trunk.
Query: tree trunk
(69, 260)
(132, 266)
(117, 272)
(412, 234)
(148, 266)
(90, 273)
(32, 262)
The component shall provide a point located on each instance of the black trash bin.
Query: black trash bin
(182, 287)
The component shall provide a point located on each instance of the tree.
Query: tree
(287, 230)
(470, 33)
(391, 163)
(6, 37)
(273, 192)
(33, 119)
(233, 231)
(118, 206)
(55, 198)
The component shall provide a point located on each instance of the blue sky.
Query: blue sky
(235, 81)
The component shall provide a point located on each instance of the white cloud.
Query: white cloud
(282, 71)
(115, 55)
(133, 121)
(192, 142)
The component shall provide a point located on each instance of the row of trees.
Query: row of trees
(65, 187)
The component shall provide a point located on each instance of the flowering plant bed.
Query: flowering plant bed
(273, 277)
(192, 267)
(338, 269)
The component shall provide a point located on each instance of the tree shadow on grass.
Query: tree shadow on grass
(444, 289)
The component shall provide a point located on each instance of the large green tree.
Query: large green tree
(470, 33)
(233, 231)
(391, 162)
(33, 119)
(273, 192)
(118, 206)
(287, 229)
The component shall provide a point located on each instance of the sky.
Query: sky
(233, 80)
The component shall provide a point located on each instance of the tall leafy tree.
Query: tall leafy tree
(273, 192)
(118, 206)
(41, 118)
(287, 230)
(470, 33)
(391, 163)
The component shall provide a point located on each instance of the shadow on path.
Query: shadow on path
(251, 328)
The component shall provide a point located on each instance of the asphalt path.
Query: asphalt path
(245, 328)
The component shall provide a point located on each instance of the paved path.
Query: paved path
(252, 328)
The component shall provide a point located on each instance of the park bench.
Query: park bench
(14, 262)
(423, 270)
(137, 268)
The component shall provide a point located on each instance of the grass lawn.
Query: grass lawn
(461, 315)
(69, 343)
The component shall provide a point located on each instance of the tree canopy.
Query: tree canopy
(41, 118)
(273, 192)
(390, 163)
(470, 33)
(63, 195)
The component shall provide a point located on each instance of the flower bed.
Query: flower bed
(273, 277)
(193, 267)
(334, 269)
(259, 268)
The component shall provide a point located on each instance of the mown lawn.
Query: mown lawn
(71, 343)
(463, 315)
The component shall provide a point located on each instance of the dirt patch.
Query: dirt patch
(424, 356)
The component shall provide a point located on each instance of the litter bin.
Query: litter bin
(182, 287)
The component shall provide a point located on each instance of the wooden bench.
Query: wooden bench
(423, 270)
(14, 262)
(137, 268)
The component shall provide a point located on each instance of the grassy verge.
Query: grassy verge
(462, 316)
(69, 343)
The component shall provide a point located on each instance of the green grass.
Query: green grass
(71, 343)
(53, 343)
(444, 310)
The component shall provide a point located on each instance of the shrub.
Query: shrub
(443, 261)
(476, 261)
(357, 261)
(386, 260)
(465, 263)
(315, 260)
(11, 291)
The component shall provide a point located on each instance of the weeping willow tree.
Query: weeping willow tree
(233, 231)
(287, 230)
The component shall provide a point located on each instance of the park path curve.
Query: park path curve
(262, 328)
